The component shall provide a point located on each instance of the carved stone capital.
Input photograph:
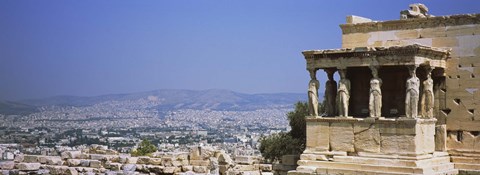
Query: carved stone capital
(330, 72)
(313, 73)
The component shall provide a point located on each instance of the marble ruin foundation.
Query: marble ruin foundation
(406, 102)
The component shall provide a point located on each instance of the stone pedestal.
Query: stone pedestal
(343, 145)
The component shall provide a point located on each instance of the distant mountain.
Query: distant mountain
(228, 100)
(214, 99)
(14, 108)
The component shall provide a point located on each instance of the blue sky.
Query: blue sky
(88, 48)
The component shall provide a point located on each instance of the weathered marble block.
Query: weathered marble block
(341, 137)
(244, 160)
(28, 166)
(408, 136)
(318, 136)
(200, 169)
(30, 158)
(367, 137)
(7, 165)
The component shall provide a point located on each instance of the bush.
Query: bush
(297, 122)
(144, 148)
(273, 147)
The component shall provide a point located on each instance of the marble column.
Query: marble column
(343, 94)
(412, 94)
(313, 86)
(330, 93)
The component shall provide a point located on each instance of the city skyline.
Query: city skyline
(91, 48)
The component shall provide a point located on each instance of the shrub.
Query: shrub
(144, 148)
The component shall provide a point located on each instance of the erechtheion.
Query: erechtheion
(406, 102)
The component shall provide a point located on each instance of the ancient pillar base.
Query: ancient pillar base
(372, 146)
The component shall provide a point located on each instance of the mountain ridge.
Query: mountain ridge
(16, 108)
(214, 99)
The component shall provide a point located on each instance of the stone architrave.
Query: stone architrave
(343, 94)
(330, 93)
(375, 100)
(313, 86)
(428, 96)
(412, 95)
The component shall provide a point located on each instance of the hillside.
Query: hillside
(214, 99)
(14, 108)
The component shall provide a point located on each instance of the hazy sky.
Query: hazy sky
(90, 48)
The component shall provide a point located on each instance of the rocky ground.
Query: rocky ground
(99, 160)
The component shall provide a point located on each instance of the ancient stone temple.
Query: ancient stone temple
(406, 102)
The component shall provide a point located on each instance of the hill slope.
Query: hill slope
(14, 108)
(215, 99)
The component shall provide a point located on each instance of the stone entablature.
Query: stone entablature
(411, 23)
(381, 56)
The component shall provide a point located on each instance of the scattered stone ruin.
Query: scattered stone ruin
(407, 101)
(99, 160)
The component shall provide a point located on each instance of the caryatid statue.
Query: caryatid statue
(412, 95)
(330, 93)
(343, 94)
(313, 86)
(428, 96)
(375, 101)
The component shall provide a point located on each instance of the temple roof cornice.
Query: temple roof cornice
(412, 23)
(383, 56)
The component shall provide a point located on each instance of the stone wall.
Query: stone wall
(458, 99)
(358, 136)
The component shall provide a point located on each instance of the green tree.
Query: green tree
(273, 147)
(144, 148)
(297, 122)
(276, 145)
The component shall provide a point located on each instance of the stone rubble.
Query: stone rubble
(100, 160)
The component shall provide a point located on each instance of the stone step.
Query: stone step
(346, 171)
(445, 167)
(447, 172)
(392, 162)
(469, 172)
(306, 169)
(377, 168)
(461, 159)
(355, 172)
(467, 166)
(309, 170)
(461, 153)
(362, 167)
